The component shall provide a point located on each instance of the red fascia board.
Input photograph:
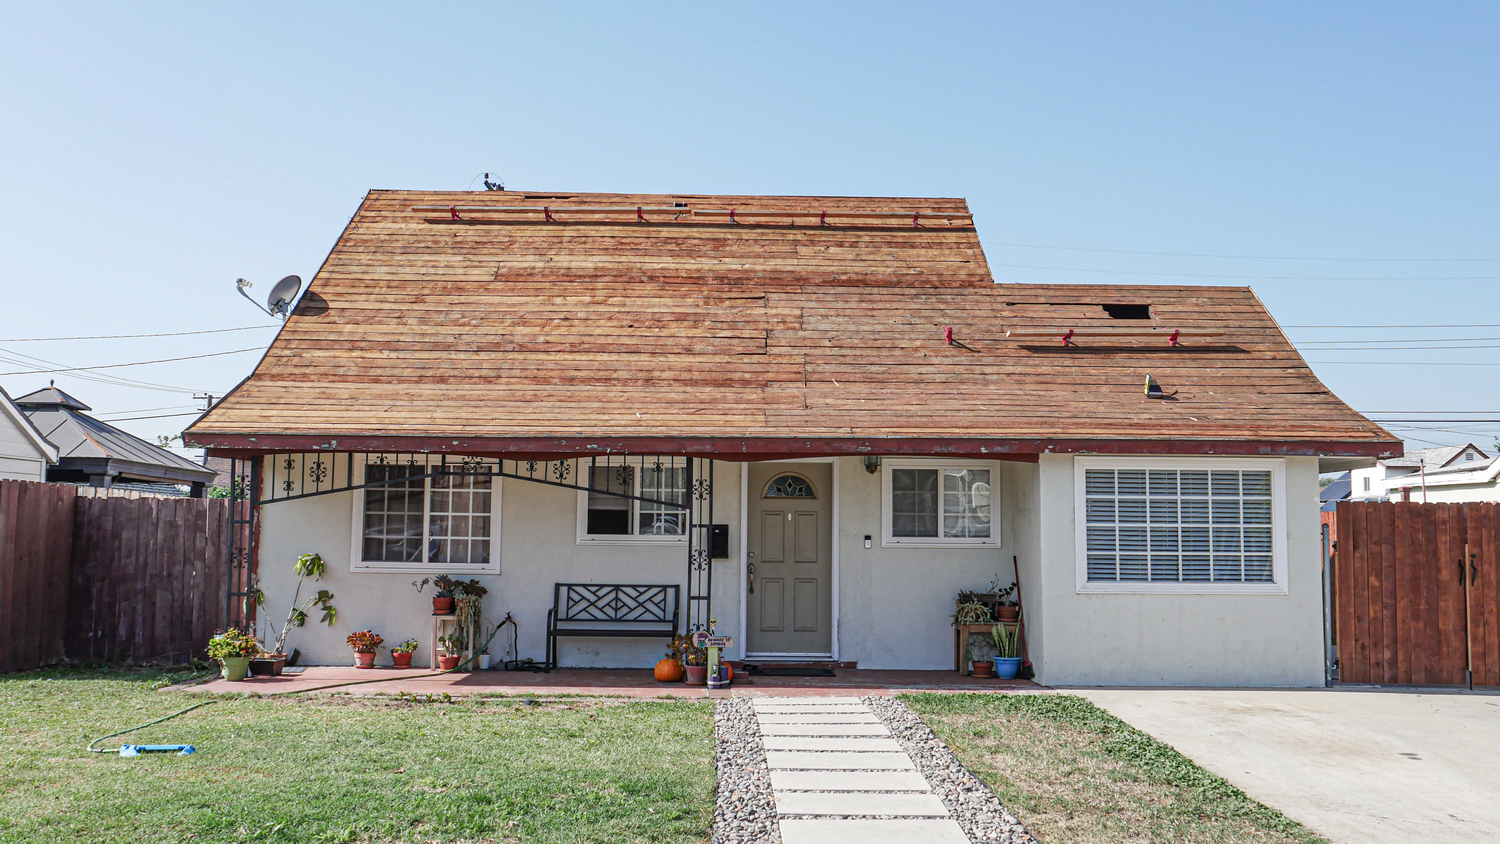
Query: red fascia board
(768, 448)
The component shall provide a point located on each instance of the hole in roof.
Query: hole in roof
(1128, 311)
(549, 196)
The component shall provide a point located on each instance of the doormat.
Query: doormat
(787, 671)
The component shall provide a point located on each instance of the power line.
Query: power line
(135, 336)
(1401, 362)
(1259, 277)
(1245, 257)
(162, 416)
(111, 380)
(1416, 340)
(135, 363)
(1321, 347)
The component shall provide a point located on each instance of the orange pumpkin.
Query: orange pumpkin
(669, 671)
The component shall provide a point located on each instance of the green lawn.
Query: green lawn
(344, 768)
(1074, 774)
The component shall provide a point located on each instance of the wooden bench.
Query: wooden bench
(612, 611)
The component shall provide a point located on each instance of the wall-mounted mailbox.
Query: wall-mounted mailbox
(718, 542)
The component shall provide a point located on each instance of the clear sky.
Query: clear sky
(150, 154)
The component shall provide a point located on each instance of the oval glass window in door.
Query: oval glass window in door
(789, 486)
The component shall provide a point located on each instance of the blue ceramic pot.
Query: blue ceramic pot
(1007, 669)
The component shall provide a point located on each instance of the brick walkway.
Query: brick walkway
(832, 761)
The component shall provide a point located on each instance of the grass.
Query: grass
(347, 769)
(1074, 774)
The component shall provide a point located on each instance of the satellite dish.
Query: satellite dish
(283, 295)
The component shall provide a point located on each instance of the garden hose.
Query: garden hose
(136, 749)
(129, 750)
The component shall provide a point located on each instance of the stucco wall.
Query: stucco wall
(896, 604)
(538, 547)
(1209, 640)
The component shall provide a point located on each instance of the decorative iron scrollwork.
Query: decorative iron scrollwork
(701, 488)
(289, 463)
(562, 470)
(318, 472)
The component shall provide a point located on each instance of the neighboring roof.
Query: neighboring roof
(502, 332)
(1438, 456)
(1338, 490)
(51, 395)
(87, 444)
(16, 416)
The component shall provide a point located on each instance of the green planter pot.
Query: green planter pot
(234, 668)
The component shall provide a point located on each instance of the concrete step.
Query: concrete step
(829, 730)
(855, 803)
(836, 761)
(817, 718)
(830, 831)
(848, 781)
(821, 743)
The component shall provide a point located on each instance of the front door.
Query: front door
(790, 564)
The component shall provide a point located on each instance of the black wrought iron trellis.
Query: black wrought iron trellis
(276, 478)
(700, 484)
(244, 509)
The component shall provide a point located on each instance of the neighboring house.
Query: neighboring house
(24, 453)
(1337, 490)
(101, 455)
(1432, 475)
(820, 417)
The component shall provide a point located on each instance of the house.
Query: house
(101, 455)
(819, 417)
(1430, 475)
(25, 454)
(1335, 491)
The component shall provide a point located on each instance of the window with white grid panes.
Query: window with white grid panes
(616, 512)
(928, 503)
(1188, 526)
(447, 521)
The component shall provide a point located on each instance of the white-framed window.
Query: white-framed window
(1367, 483)
(1213, 525)
(939, 503)
(608, 519)
(446, 524)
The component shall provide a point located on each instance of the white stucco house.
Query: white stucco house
(1445, 474)
(818, 418)
(24, 453)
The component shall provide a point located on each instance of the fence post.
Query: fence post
(1328, 655)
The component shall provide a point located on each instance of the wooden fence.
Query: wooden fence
(1416, 595)
(138, 579)
(36, 547)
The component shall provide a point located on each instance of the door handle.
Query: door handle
(750, 579)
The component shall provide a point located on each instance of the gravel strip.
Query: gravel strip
(744, 809)
(969, 800)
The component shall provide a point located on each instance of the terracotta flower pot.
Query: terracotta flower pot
(364, 660)
(442, 606)
(448, 663)
(984, 670)
(1008, 614)
(668, 670)
(696, 675)
(400, 659)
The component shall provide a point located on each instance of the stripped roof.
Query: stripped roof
(507, 322)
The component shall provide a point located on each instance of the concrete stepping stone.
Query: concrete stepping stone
(830, 831)
(855, 803)
(822, 743)
(848, 781)
(813, 760)
(819, 718)
(829, 730)
(807, 701)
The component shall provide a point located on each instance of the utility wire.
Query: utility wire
(1403, 362)
(112, 380)
(136, 363)
(1391, 326)
(1259, 277)
(135, 336)
(162, 416)
(1415, 340)
(1245, 257)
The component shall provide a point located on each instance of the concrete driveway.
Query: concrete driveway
(1354, 765)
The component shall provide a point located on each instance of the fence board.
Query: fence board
(1399, 592)
(35, 555)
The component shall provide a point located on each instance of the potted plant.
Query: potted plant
(452, 646)
(694, 660)
(970, 612)
(1007, 652)
(442, 599)
(365, 643)
(1007, 610)
(307, 565)
(401, 654)
(233, 649)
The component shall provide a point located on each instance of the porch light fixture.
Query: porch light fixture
(872, 463)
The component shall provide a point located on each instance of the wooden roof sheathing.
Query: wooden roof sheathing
(500, 331)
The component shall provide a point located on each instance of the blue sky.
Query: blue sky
(153, 153)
